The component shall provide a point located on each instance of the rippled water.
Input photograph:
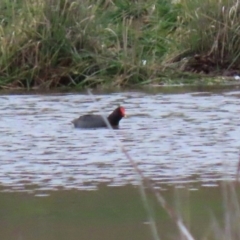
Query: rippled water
(175, 138)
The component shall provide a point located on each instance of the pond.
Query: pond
(187, 141)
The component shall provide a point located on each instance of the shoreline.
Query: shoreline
(152, 88)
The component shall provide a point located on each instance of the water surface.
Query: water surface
(174, 138)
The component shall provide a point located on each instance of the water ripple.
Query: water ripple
(191, 137)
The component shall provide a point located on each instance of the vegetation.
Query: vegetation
(86, 43)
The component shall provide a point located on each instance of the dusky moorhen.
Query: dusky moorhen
(97, 121)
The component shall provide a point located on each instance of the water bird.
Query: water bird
(97, 121)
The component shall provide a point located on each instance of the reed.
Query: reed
(48, 44)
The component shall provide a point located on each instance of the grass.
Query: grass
(218, 229)
(48, 44)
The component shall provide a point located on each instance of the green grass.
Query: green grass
(48, 44)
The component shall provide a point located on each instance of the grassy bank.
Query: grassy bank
(85, 43)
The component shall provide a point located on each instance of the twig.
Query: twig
(238, 169)
(141, 179)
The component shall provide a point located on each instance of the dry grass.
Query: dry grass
(210, 32)
(47, 44)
